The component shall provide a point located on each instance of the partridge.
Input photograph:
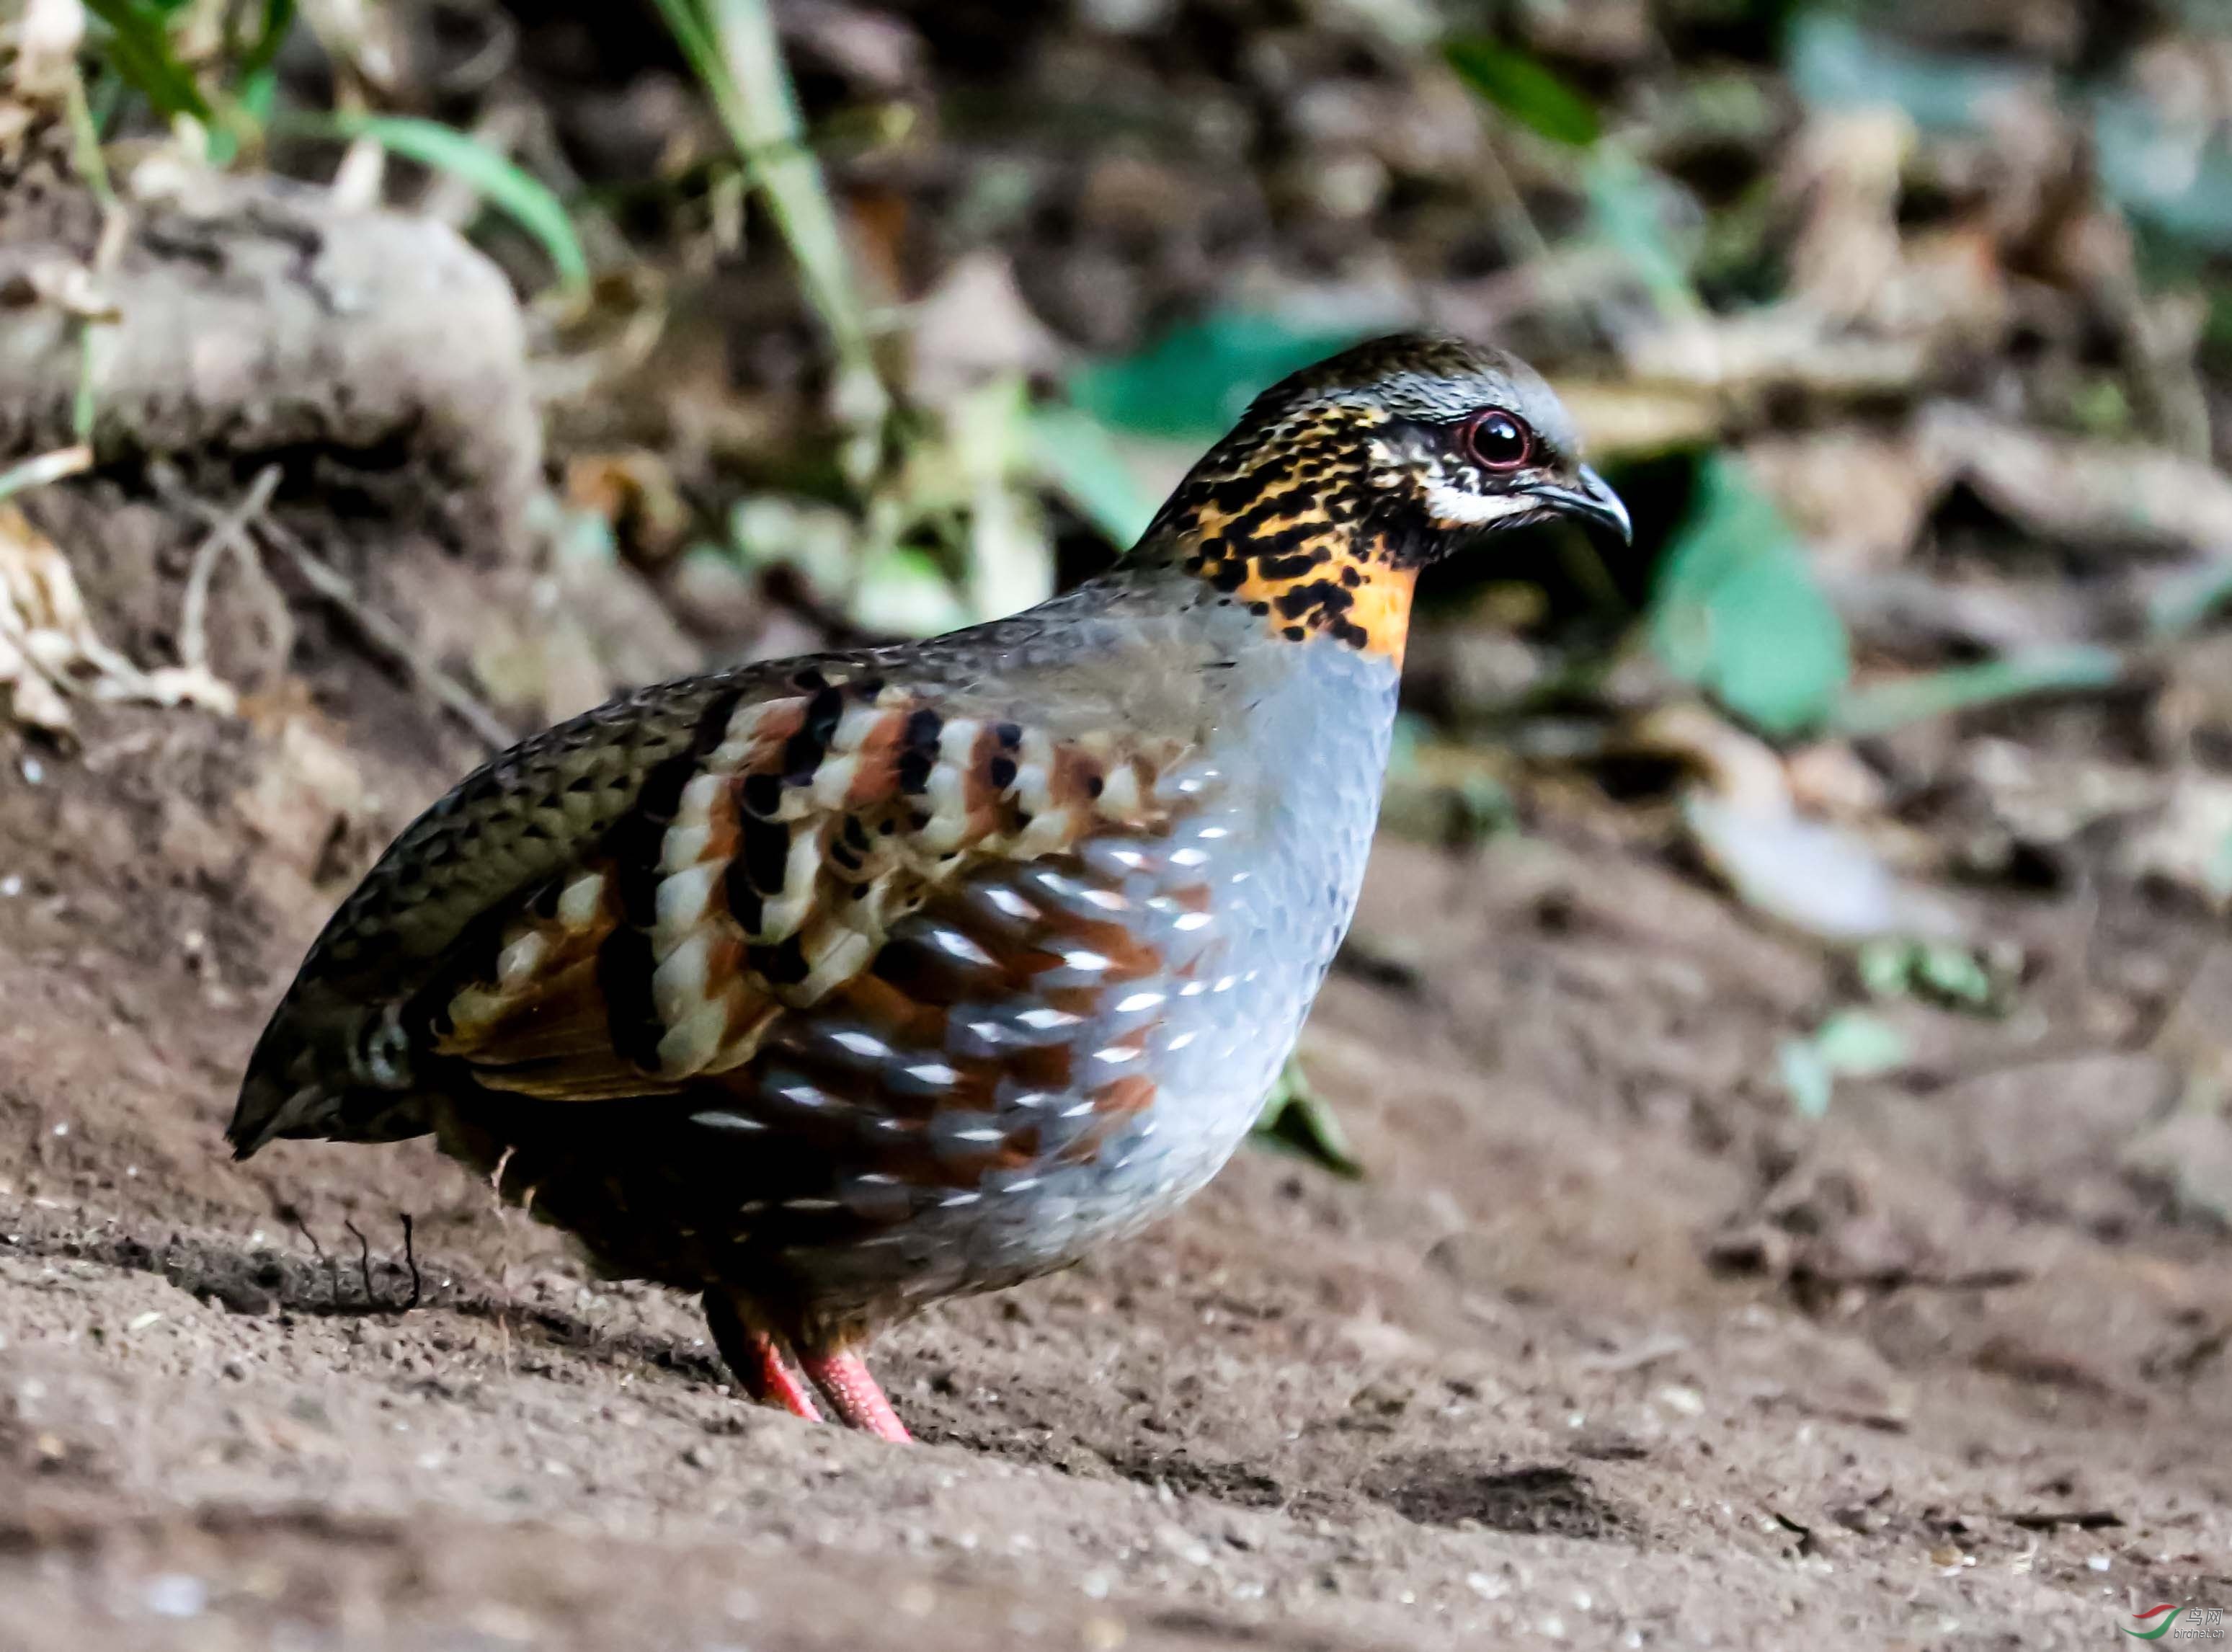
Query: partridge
(829, 987)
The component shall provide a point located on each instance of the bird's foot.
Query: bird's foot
(756, 1356)
(853, 1394)
(770, 1380)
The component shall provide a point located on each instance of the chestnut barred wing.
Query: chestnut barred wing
(1014, 1025)
(937, 946)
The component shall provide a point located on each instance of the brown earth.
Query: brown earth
(1606, 1350)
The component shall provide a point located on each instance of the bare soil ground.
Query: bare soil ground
(1606, 1350)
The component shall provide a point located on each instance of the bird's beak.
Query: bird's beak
(1591, 499)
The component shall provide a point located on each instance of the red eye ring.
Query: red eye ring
(1498, 441)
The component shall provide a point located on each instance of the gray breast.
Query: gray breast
(1249, 898)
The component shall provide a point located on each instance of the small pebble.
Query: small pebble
(177, 1594)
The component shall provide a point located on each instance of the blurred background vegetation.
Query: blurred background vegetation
(1906, 328)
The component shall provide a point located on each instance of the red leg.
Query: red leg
(853, 1395)
(756, 1359)
(771, 1382)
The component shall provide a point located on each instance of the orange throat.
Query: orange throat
(1284, 523)
(1322, 587)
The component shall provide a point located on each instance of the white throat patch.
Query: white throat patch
(1456, 507)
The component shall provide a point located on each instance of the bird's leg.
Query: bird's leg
(771, 1381)
(756, 1359)
(853, 1393)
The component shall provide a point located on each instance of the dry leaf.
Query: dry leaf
(50, 649)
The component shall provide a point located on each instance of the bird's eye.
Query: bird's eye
(1499, 441)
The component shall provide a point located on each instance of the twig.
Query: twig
(44, 468)
(733, 47)
(373, 626)
(409, 1261)
(333, 1272)
(115, 222)
(1636, 1356)
(495, 54)
(1523, 238)
(383, 634)
(363, 1260)
(502, 1216)
(359, 181)
(228, 535)
(1515, 225)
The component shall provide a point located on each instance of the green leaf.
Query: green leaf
(695, 40)
(1073, 453)
(278, 18)
(1195, 380)
(816, 542)
(1735, 609)
(1886, 966)
(2186, 598)
(1952, 974)
(1851, 1044)
(1299, 1120)
(1881, 707)
(1834, 62)
(2154, 166)
(140, 46)
(1628, 211)
(1519, 86)
(500, 181)
(1805, 1076)
(1940, 972)
(904, 593)
(1862, 1044)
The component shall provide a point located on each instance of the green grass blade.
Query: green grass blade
(732, 46)
(1881, 707)
(688, 27)
(763, 114)
(278, 18)
(1075, 454)
(500, 181)
(140, 46)
(1735, 609)
(1530, 94)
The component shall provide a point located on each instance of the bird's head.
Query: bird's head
(1342, 481)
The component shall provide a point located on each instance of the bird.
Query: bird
(826, 988)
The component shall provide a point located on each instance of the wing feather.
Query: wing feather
(762, 886)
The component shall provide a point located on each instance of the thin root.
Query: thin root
(409, 1261)
(363, 1260)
